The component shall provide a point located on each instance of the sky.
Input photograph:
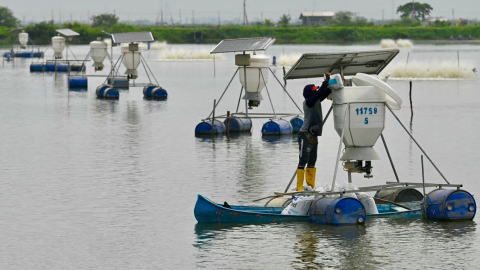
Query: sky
(227, 10)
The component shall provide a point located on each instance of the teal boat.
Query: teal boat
(207, 211)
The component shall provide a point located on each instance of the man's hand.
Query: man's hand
(327, 76)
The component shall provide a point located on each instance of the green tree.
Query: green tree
(284, 20)
(268, 22)
(414, 10)
(105, 19)
(6, 18)
(347, 18)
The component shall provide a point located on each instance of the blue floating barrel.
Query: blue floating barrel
(297, 123)
(50, 66)
(77, 82)
(77, 67)
(62, 68)
(7, 54)
(450, 204)
(118, 82)
(154, 91)
(24, 54)
(205, 127)
(239, 124)
(34, 67)
(338, 211)
(274, 61)
(106, 91)
(277, 127)
(38, 54)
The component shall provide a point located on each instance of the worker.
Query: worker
(310, 130)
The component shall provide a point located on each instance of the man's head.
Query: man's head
(309, 90)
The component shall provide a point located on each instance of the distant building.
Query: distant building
(316, 18)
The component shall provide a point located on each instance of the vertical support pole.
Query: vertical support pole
(284, 81)
(458, 58)
(340, 146)
(410, 95)
(423, 182)
(406, 64)
(268, 93)
(213, 117)
(228, 123)
(349, 177)
(239, 99)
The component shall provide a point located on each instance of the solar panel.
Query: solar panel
(243, 44)
(132, 37)
(312, 65)
(67, 32)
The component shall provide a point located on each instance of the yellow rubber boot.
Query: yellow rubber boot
(310, 175)
(300, 177)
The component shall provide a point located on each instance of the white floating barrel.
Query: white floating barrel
(106, 91)
(154, 91)
(58, 45)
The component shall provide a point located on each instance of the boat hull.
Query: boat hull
(207, 211)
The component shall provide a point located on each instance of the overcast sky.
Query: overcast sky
(230, 10)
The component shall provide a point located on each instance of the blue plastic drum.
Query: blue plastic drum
(450, 204)
(37, 67)
(297, 123)
(277, 127)
(62, 68)
(50, 66)
(77, 82)
(338, 211)
(154, 91)
(106, 91)
(77, 67)
(239, 124)
(24, 54)
(205, 127)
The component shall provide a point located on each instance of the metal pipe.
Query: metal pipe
(224, 91)
(213, 118)
(285, 90)
(291, 180)
(239, 98)
(340, 147)
(149, 69)
(423, 182)
(389, 157)
(411, 136)
(273, 109)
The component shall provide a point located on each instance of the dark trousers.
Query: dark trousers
(308, 151)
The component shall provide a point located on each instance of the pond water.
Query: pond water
(111, 184)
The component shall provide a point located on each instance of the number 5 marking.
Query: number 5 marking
(366, 120)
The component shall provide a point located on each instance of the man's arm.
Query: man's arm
(320, 94)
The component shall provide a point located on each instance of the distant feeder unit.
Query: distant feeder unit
(106, 91)
(154, 91)
(131, 59)
(257, 76)
(58, 45)
(277, 127)
(98, 50)
(23, 39)
(205, 128)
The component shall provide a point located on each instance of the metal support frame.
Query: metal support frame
(423, 151)
(347, 109)
(285, 90)
(220, 99)
(389, 157)
(266, 88)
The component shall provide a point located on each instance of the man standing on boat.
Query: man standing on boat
(309, 132)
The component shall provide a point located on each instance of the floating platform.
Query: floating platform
(58, 67)
(24, 54)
